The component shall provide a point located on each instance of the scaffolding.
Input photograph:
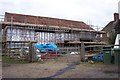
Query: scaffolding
(17, 35)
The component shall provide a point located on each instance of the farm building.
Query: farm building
(19, 29)
(111, 29)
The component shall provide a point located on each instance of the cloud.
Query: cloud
(96, 12)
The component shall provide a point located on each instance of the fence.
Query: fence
(34, 54)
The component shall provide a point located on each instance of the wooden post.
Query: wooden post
(82, 51)
(30, 52)
(0, 41)
(119, 43)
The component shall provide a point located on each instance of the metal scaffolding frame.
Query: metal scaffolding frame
(43, 34)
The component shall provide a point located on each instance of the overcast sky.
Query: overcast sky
(95, 12)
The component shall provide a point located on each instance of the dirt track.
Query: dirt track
(56, 69)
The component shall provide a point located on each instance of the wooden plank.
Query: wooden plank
(36, 25)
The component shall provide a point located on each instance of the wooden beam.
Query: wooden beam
(34, 25)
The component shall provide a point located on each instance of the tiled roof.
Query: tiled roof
(45, 21)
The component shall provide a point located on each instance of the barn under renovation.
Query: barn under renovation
(45, 47)
(20, 29)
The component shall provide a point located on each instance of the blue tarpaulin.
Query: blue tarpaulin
(47, 47)
(98, 57)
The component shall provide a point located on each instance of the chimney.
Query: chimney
(116, 17)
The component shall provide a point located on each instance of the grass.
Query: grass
(8, 60)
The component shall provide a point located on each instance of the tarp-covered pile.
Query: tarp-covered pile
(47, 50)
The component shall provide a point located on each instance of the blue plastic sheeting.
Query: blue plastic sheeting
(98, 57)
(47, 47)
(51, 46)
(39, 46)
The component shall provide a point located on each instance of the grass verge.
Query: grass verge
(8, 60)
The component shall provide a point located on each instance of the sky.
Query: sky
(93, 12)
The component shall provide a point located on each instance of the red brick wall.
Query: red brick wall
(44, 21)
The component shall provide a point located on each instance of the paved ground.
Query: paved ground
(59, 69)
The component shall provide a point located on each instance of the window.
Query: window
(101, 35)
(108, 34)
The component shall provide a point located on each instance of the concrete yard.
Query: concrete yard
(60, 69)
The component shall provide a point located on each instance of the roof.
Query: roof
(21, 18)
(112, 25)
(109, 25)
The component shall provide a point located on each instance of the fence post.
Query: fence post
(30, 52)
(82, 51)
(119, 43)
